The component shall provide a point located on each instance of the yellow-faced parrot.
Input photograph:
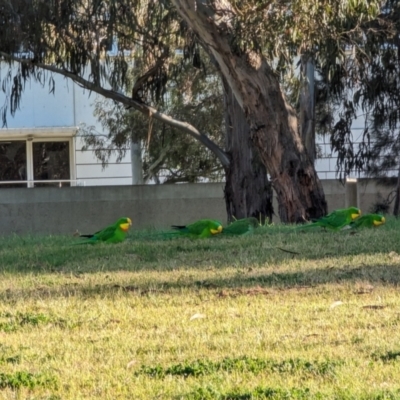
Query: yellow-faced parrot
(111, 234)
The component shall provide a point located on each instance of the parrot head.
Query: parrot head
(215, 228)
(379, 220)
(355, 212)
(124, 223)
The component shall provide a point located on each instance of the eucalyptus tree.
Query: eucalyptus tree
(195, 96)
(69, 37)
(366, 86)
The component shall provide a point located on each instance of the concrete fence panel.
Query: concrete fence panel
(86, 209)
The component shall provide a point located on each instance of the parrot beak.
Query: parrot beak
(129, 221)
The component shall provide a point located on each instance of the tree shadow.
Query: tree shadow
(245, 283)
(387, 357)
(275, 248)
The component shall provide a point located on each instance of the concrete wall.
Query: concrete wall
(65, 210)
(369, 192)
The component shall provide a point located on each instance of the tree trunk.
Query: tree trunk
(307, 104)
(273, 123)
(248, 192)
(397, 198)
(136, 160)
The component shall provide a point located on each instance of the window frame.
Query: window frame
(43, 135)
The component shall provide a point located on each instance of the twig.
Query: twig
(288, 251)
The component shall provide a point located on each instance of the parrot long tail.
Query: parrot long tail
(310, 225)
(179, 227)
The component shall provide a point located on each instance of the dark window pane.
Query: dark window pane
(13, 163)
(51, 162)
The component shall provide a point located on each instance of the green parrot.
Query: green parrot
(202, 228)
(368, 221)
(111, 234)
(241, 227)
(336, 220)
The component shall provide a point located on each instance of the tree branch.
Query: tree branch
(139, 106)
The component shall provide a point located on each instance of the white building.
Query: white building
(42, 144)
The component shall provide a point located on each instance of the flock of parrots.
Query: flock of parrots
(345, 217)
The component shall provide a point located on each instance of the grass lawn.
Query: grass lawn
(281, 314)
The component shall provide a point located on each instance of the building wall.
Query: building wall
(90, 172)
(327, 163)
(87, 209)
(38, 108)
(69, 106)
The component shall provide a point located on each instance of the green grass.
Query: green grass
(280, 314)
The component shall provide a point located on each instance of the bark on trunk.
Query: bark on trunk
(136, 160)
(397, 198)
(273, 123)
(248, 192)
(307, 104)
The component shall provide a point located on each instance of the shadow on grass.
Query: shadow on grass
(245, 283)
(272, 247)
(51, 256)
(387, 357)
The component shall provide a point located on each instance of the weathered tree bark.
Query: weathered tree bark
(307, 104)
(248, 192)
(273, 123)
(397, 198)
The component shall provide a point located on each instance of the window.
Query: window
(35, 163)
(13, 163)
(51, 162)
